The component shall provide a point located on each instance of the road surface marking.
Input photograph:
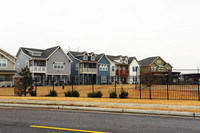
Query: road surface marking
(66, 129)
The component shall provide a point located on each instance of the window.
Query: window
(159, 61)
(135, 69)
(85, 57)
(103, 79)
(59, 65)
(112, 79)
(2, 78)
(77, 66)
(113, 68)
(103, 67)
(38, 79)
(152, 69)
(155, 69)
(3, 63)
(92, 58)
(55, 79)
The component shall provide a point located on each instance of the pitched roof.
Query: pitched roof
(130, 59)
(44, 53)
(1, 50)
(112, 57)
(98, 56)
(147, 61)
(75, 54)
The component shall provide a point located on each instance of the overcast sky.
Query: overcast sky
(140, 28)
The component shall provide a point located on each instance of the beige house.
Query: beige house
(7, 69)
(155, 64)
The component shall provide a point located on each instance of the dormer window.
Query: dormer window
(37, 53)
(34, 53)
(92, 58)
(126, 61)
(85, 57)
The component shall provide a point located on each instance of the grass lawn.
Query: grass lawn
(157, 91)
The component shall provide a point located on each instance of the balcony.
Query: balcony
(122, 72)
(38, 69)
(88, 70)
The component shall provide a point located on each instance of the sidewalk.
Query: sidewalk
(141, 108)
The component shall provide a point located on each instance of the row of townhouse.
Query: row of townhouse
(53, 65)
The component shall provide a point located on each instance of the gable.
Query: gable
(3, 56)
(103, 60)
(59, 55)
(159, 61)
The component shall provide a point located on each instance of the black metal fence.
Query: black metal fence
(168, 86)
(154, 85)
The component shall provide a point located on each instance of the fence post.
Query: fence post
(72, 83)
(167, 87)
(53, 83)
(35, 87)
(92, 84)
(198, 86)
(150, 92)
(140, 86)
(115, 84)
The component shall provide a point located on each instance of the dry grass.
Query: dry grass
(160, 109)
(157, 91)
(142, 101)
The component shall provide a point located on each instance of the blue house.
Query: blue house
(89, 68)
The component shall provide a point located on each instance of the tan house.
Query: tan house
(155, 64)
(7, 68)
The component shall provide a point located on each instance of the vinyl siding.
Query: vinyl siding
(58, 56)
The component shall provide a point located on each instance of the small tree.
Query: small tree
(26, 80)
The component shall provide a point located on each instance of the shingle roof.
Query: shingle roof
(112, 58)
(44, 53)
(130, 59)
(75, 54)
(98, 56)
(147, 61)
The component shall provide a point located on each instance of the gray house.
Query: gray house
(7, 68)
(47, 66)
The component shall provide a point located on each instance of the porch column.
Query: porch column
(33, 69)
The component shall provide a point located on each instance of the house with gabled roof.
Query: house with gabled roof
(88, 68)
(155, 64)
(49, 66)
(7, 68)
(124, 69)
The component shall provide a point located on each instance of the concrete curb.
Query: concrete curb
(114, 110)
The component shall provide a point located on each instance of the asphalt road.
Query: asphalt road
(15, 120)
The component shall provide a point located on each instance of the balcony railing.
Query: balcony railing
(122, 72)
(38, 69)
(88, 70)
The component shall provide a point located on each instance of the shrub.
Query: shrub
(91, 94)
(97, 94)
(123, 93)
(32, 93)
(8, 86)
(113, 95)
(75, 93)
(72, 94)
(68, 93)
(3, 86)
(52, 93)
